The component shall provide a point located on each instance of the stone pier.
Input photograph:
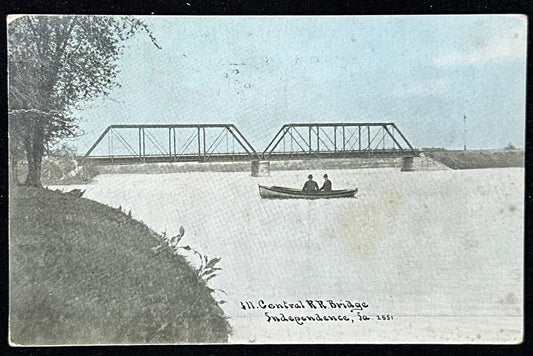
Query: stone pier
(260, 168)
(407, 164)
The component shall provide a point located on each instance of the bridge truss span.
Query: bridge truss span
(170, 143)
(338, 140)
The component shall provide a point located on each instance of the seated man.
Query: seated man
(310, 185)
(327, 184)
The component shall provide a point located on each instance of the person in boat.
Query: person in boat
(310, 185)
(326, 187)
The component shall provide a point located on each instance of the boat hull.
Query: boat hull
(275, 192)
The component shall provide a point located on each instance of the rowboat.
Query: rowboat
(275, 192)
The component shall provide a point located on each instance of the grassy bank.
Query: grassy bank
(472, 159)
(82, 272)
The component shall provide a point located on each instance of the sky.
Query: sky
(424, 73)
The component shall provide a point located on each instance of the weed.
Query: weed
(208, 267)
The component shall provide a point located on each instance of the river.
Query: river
(439, 251)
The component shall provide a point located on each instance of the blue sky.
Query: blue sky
(421, 72)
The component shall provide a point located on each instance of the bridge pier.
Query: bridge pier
(407, 164)
(260, 168)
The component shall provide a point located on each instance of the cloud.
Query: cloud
(501, 48)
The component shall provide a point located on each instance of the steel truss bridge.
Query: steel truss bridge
(224, 142)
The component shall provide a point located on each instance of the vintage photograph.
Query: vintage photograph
(266, 179)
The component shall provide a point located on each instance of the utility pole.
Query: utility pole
(464, 134)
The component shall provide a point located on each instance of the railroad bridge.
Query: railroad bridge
(120, 144)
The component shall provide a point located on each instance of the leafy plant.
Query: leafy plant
(208, 267)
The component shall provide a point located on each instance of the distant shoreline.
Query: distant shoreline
(476, 159)
(437, 159)
(430, 159)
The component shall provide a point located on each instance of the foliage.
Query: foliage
(61, 167)
(55, 63)
(208, 267)
(64, 151)
(67, 171)
(510, 146)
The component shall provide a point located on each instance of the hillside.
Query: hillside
(82, 272)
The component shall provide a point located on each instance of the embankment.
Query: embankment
(473, 159)
(82, 272)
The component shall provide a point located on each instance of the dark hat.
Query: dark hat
(325, 175)
(310, 176)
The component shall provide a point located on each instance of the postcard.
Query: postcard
(266, 179)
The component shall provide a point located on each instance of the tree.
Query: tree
(16, 153)
(54, 64)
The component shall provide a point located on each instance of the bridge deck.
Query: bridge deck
(130, 159)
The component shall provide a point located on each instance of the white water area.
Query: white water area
(439, 251)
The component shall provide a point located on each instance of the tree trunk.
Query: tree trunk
(33, 179)
(13, 173)
(34, 148)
